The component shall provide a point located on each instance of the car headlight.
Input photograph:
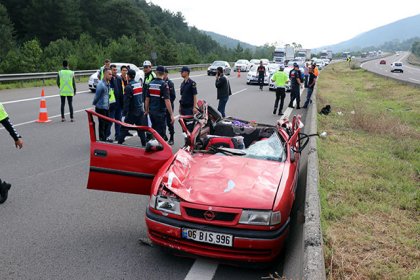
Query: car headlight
(166, 204)
(208, 69)
(257, 217)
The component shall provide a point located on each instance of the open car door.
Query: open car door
(128, 167)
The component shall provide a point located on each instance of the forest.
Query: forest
(38, 34)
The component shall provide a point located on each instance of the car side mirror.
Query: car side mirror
(153, 146)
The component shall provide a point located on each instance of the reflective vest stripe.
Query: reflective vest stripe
(111, 96)
(3, 113)
(137, 89)
(66, 82)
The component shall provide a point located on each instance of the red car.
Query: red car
(382, 61)
(226, 194)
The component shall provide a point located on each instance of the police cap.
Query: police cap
(131, 73)
(160, 69)
(185, 69)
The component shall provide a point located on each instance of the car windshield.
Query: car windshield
(398, 64)
(218, 63)
(268, 149)
(241, 62)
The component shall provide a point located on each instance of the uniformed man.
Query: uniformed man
(67, 86)
(280, 79)
(172, 96)
(133, 109)
(158, 101)
(149, 75)
(188, 91)
(4, 120)
(296, 82)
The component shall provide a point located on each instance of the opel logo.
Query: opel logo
(209, 215)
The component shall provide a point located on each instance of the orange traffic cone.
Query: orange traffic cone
(43, 114)
(239, 72)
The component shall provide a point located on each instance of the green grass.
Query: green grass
(36, 83)
(369, 175)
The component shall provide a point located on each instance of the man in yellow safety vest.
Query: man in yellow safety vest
(67, 85)
(4, 120)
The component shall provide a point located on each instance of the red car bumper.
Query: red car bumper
(248, 245)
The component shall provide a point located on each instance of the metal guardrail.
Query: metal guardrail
(79, 73)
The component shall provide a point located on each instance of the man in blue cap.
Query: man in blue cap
(295, 80)
(188, 102)
(158, 101)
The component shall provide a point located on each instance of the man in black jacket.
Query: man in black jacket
(223, 90)
(4, 120)
(172, 96)
(115, 106)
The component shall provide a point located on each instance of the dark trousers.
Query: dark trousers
(280, 95)
(115, 112)
(261, 80)
(168, 122)
(308, 96)
(63, 103)
(295, 94)
(103, 124)
(222, 105)
(306, 80)
(158, 122)
(136, 120)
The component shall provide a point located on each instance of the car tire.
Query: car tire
(248, 83)
(93, 90)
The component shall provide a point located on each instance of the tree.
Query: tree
(7, 33)
(31, 56)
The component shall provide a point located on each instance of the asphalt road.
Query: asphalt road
(411, 73)
(52, 227)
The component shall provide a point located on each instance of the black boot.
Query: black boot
(274, 112)
(4, 189)
(171, 140)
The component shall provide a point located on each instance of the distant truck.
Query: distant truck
(326, 54)
(290, 52)
(303, 54)
(279, 55)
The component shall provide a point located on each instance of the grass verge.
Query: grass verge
(36, 83)
(369, 175)
(413, 59)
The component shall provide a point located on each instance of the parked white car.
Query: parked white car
(93, 79)
(242, 64)
(252, 77)
(272, 85)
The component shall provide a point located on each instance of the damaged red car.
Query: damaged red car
(226, 194)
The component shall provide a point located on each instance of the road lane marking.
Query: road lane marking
(202, 269)
(242, 90)
(36, 98)
(418, 81)
(52, 117)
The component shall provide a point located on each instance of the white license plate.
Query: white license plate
(208, 237)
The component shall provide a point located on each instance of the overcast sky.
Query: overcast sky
(312, 23)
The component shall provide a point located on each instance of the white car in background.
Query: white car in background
(93, 79)
(254, 61)
(243, 64)
(252, 77)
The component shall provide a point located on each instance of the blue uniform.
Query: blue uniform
(188, 90)
(158, 92)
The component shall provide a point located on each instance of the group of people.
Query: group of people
(147, 103)
(295, 77)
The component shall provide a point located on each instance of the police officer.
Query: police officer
(67, 85)
(280, 79)
(188, 102)
(133, 109)
(4, 120)
(158, 101)
(172, 96)
(295, 79)
(149, 75)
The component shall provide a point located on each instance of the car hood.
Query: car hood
(224, 181)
